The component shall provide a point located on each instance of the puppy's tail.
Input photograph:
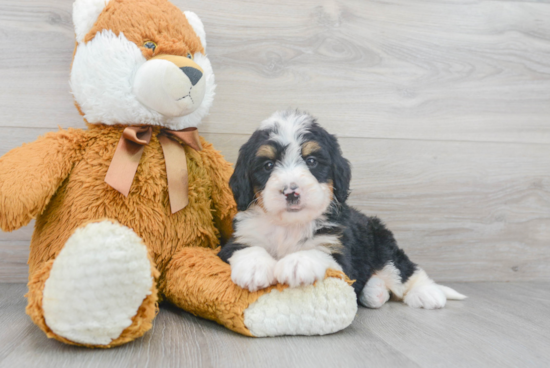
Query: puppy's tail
(451, 293)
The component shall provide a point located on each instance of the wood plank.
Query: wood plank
(438, 70)
(448, 70)
(465, 211)
(179, 339)
(13, 260)
(16, 324)
(494, 327)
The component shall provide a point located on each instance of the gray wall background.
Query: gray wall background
(443, 108)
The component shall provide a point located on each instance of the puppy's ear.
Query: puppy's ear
(341, 174)
(341, 170)
(240, 181)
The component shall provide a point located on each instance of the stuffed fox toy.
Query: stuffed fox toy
(132, 209)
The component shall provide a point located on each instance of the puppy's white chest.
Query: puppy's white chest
(286, 240)
(279, 241)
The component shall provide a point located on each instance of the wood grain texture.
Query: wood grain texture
(465, 211)
(494, 327)
(441, 106)
(452, 70)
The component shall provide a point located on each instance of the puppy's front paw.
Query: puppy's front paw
(427, 296)
(252, 268)
(304, 267)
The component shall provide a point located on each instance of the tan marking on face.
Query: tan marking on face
(259, 198)
(266, 151)
(309, 147)
(330, 186)
(158, 21)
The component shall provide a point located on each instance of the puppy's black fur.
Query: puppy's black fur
(368, 245)
(245, 176)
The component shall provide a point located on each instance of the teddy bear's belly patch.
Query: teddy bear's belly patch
(97, 283)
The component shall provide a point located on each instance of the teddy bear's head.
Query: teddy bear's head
(140, 62)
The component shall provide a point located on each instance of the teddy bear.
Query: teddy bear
(131, 210)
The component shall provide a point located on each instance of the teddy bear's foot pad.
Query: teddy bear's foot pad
(97, 283)
(326, 307)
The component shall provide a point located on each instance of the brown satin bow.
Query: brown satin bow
(128, 154)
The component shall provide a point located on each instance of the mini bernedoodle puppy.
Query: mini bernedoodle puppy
(291, 184)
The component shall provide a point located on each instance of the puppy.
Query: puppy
(291, 184)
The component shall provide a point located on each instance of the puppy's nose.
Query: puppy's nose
(292, 197)
(291, 193)
(193, 74)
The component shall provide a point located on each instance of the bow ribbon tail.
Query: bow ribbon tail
(176, 173)
(125, 162)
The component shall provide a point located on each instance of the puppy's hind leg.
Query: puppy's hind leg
(422, 292)
(417, 290)
(402, 277)
(375, 293)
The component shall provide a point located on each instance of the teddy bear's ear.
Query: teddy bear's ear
(85, 14)
(197, 25)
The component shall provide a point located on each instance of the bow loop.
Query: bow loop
(189, 136)
(131, 145)
(140, 135)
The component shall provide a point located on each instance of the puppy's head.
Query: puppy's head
(292, 168)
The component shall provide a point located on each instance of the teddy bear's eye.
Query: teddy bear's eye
(189, 56)
(150, 45)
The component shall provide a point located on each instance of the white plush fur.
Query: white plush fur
(419, 291)
(102, 80)
(85, 14)
(253, 268)
(197, 25)
(161, 86)
(325, 308)
(97, 283)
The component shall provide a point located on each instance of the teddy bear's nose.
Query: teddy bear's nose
(193, 74)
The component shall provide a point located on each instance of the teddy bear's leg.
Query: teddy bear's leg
(99, 291)
(198, 281)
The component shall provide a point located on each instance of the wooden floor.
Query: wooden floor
(499, 325)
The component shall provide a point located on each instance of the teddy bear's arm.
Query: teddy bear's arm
(223, 203)
(31, 174)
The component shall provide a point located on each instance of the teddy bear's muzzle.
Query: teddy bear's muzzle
(170, 85)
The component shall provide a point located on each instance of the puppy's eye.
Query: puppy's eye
(150, 45)
(311, 162)
(268, 166)
(189, 56)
